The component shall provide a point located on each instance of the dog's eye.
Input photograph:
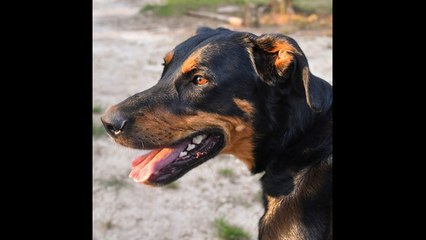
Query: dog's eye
(198, 80)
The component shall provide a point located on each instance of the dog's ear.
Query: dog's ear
(279, 59)
(203, 30)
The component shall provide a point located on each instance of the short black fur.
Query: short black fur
(291, 119)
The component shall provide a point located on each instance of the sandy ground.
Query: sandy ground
(127, 54)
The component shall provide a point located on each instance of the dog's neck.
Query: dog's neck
(297, 182)
(299, 207)
(295, 147)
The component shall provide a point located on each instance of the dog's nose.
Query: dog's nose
(114, 122)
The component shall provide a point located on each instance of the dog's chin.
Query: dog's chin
(166, 164)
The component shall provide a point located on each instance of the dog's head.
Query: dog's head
(216, 90)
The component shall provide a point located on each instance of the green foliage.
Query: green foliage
(113, 182)
(227, 231)
(226, 172)
(179, 7)
(98, 130)
(108, 225)
(313, 6)
(172, 185)
(97, 109)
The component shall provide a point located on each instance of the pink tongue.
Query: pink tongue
(144, 166)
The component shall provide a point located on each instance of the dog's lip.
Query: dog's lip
(178, 158)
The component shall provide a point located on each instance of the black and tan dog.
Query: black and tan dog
(252, 96)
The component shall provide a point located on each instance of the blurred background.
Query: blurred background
(219, 199)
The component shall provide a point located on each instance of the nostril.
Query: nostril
(114, 125)
(122, 125)
(110, 128)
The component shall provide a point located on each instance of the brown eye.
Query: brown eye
(198, 80)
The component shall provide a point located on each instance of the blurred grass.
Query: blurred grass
(227, 231)
(98, 130)
(179, 7)
(258, 196)
(172, 185)
(113, 182)
(226, 172)
(108, 225)
(97, 109)
(313, 6)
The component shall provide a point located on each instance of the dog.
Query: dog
(254, 97)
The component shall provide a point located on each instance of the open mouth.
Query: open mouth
(164, 165)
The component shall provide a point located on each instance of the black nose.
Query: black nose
(114, 122)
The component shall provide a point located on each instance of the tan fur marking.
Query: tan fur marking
(192, 61)
(305, 74)
(162, 127)
(283, 49)
(190, 64)
(123, 141)
(169, 56)
(284, 55)
(281, 222)
(245, 106)
(309, 180)
(283, 61)
(240, 128)
(273, 205)
(282, 219)
(282, 45)
(250, 53)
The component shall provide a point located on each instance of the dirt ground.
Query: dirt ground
(127, 54)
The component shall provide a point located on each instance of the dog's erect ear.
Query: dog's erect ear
(279, 59)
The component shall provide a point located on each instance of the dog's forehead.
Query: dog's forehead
(217, 39)
(212, 50)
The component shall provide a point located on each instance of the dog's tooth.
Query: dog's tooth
(190, 147)
(196, 140)
(183, 154)
(199, 138)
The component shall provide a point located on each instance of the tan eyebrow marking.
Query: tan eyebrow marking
(169, 56)
(192, 61)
